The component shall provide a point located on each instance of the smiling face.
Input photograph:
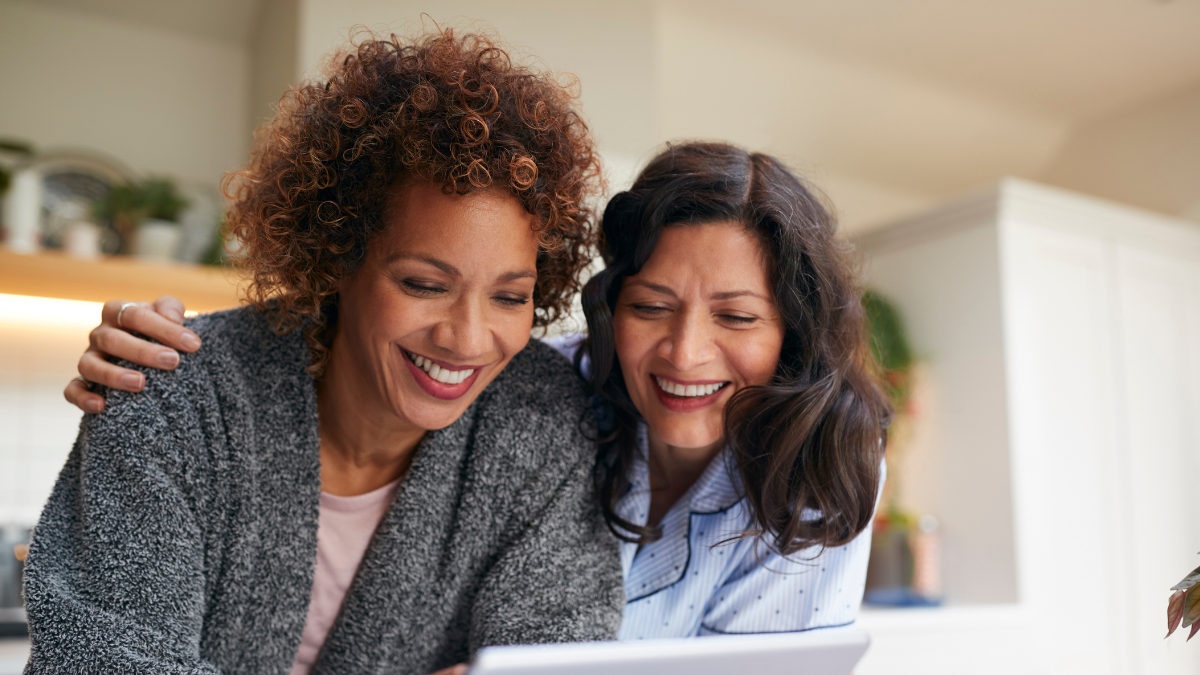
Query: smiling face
(697, 323)
(440, 305)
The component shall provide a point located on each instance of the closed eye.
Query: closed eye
(650, 310)
(421, 289)
(737, 320)
(512, 300)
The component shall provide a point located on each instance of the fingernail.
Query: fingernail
(92, 406)
(190, 341)
(132, 381)
(167, 359)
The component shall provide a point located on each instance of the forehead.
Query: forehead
(487, 223)
(715, 256)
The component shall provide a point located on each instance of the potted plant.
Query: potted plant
(146, 216)
(122, 211)
(903, 568)
(159, 234)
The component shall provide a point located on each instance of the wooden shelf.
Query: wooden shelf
(54, 275)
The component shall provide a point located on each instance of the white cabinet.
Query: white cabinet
(1061, 340)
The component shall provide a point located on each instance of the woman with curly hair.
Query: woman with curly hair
(367, 468)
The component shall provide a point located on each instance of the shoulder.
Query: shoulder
(244, 353)
(247, 335)
(538, 403)
(539, 380)
(242, 365)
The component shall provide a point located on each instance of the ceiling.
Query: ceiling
(1071, 59)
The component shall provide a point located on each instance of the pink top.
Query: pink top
(344, 531)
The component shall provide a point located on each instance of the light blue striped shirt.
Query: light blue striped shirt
(700, 579)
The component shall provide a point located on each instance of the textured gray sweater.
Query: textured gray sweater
(181, 536)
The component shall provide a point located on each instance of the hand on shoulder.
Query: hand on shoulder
(119, 336)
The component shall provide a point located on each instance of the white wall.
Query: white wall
(948, 291)
(40, 343)
(161, 102)
(607, 45)
(274, 57)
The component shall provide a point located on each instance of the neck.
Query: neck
(364, 445)
(673, 471)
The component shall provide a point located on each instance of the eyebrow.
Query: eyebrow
(454, 271)
(729, 295)
(724, 295)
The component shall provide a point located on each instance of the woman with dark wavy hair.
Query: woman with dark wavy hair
(368, 468)
(741, 455)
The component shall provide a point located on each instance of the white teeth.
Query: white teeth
(690, 390)
(443, 375)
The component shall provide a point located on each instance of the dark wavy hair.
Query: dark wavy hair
(808, 445)
(441, 108)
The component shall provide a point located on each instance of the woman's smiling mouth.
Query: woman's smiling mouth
(687, 396)
(440, 379)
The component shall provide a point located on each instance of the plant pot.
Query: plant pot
(81, 239)
(157, 240)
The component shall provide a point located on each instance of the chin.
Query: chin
(687, 437)
(431, 420)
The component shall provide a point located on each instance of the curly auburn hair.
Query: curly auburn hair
(451, 110)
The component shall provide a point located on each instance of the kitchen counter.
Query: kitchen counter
(14, 652)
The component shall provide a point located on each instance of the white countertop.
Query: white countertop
(14, 652)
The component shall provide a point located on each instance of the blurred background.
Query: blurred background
(1021, 179)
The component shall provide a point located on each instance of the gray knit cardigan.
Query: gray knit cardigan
(181, 536)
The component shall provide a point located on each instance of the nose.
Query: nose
(464, 332)
(689, 344)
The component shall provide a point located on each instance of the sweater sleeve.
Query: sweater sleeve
(560, 579)
(114, 581)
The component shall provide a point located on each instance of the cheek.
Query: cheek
(513, 336)
(756, 359)
(632, 342)
(378, 314)
(391, 314)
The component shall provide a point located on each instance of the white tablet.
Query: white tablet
(819, 652)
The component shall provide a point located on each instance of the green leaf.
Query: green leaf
(1174, 612)
(889, 343)
(1195, 629)
(161, 200)
(1191, 606)
(1188, 581)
